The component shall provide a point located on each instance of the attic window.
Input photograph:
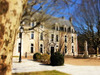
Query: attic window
(53, 27)
(57, 28)
(65, 29)
(61, 28)
(69, 29)
(72, 31)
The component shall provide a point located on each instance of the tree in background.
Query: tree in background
(87, 19)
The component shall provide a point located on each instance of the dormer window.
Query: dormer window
(72, 31)
(61, 28)
(57, 28)
(65, 29)
(69, 29)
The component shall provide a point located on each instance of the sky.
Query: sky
(65, 11)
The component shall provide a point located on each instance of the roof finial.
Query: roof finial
(70, 19)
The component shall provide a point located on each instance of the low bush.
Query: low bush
(45, 58)
(37, 56)
(57, 59)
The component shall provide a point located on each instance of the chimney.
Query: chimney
(70, 19)
(63, 17)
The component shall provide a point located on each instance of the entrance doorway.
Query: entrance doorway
(52, 50)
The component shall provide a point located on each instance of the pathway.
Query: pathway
(32, 66)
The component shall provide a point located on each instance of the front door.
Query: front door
(52, 50)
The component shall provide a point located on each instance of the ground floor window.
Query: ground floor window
(65, 49)
(32, 48)
(19, 47)
(72, 49)
(52, 50)
(41, 48)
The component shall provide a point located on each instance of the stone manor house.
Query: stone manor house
(57, 34)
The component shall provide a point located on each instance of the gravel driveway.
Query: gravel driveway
(32, 66)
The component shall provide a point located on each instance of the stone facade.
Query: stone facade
(48, 38)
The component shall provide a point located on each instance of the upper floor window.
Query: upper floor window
(32, 24)
(41, 36)
(52, 37)
(32, 47)
(56, 38)
(72, 40)
(41, 26)
(32, 35)
(65, 38)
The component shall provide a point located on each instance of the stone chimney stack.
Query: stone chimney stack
(70, 19)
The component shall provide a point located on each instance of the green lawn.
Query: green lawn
(53, 72)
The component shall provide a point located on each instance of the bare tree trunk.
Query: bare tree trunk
(10, 15)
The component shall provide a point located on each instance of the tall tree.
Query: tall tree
(87, 19)
(10, 16)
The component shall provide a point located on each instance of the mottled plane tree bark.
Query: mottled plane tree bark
(10, 16)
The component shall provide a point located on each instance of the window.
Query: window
(65, 49)
(56, 38)
(41, 48)
(41, 36)
(19, 47)
(20, 35)
(32, 35)
(32, 24)
(72, 40)
(72, 31)
(52, 37)
(65, 38)
(41, 26)
(61, 28)
(65, 30)
(57, 28)
(32, 48)
(72, 49)
(69, 29)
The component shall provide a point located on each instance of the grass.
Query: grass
(16, 56)
(53, 72)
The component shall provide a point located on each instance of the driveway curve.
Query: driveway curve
(32, 66)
